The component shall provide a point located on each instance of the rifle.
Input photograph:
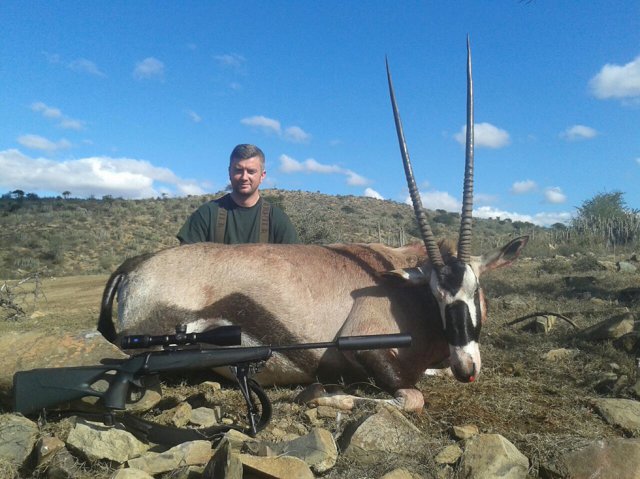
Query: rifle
(39, 389)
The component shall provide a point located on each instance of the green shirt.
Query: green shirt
(243, 224)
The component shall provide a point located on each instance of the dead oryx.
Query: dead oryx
(283, 294)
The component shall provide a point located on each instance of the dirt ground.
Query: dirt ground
(543, 407)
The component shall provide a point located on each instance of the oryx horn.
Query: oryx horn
(427, 235)
(466, 221)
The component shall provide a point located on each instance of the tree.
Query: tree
(18, 194)
(66, 194)
(607, 215)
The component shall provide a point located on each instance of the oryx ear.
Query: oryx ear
(405, 277)
(503, 256)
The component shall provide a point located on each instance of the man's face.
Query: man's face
(246, 175)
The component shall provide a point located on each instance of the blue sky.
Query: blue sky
(136, 99)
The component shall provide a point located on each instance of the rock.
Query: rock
(400, 473)
(178, 416)
(17, 438)
(186, 454)
(285, 467)
(225, 463)
(629, 343)
(624, 413)
(237, 439)
(203, 417)
(95, 441)
(612, 458)
(466, 431)
(626, 267)
(46, 447)
(130, 473)
(491, 455)
(387, 431)
(318, 449)
(560, 354)
(611, 328)
(449, 455)
(62, 465)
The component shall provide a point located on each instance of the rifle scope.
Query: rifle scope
(220, 336)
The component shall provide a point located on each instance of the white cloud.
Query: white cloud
(47, 111)
(437, 200)
(540, 219)
(522, 187)
(194, 116)
(312, 165)
(64, 121)
(293, 134)
(485, 135)
(97, 176)
(554, 194)
(36, 142)
(579, 132)
(371, 193)
(290, 165)
(148, 68)
(354, 179)
(231, 60)
(82, 65)
(296, 134)
(269, 125)
(617, 81)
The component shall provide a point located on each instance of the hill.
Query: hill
(64, 237)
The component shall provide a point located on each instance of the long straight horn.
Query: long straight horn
(464, 239)
(427, 236)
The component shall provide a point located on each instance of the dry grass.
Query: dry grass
(542, 407)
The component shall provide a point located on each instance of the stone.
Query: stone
(624, 413)
(17, 438)
(225, 463)
(130, 473)
(284, 467)
(449, 455)
(318, 449)
(400, 473)
(560, 354)
(466, 431)
(492, 455)
(626, 267)
(387, 431)
(63, 465)
(46, 447)
(95, 441)
(178, 416)
(611, 328)
(612, 458)
(185, 454)
(203, 417)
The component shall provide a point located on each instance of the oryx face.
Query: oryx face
(462, 311)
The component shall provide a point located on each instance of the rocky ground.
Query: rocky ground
(557, 398)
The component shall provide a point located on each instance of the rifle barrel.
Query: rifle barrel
(372, 341)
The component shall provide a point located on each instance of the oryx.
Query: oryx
(283, 294)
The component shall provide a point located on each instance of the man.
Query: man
(241, 216)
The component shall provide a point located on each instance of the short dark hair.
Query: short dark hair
(245, 151)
